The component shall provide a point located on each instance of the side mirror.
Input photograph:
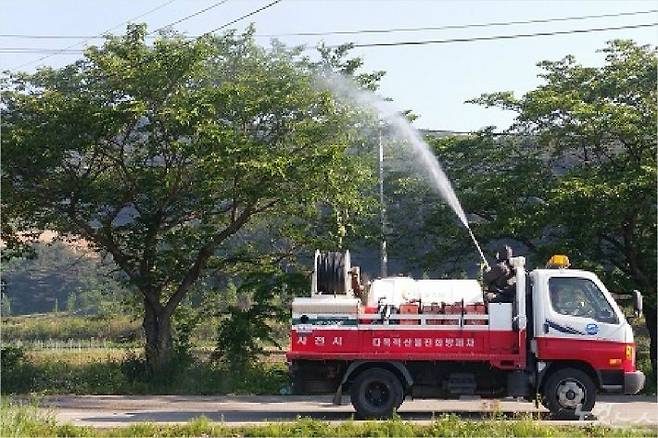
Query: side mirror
(637, 303)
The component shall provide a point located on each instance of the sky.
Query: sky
(432, 80)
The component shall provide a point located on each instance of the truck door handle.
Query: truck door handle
(545, 327)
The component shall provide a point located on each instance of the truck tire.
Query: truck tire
(569, 394)
(331, 272)
(376, 394)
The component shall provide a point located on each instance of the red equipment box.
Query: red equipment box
(409, 309)
(475, 309)
(433, 309)
(452, 309)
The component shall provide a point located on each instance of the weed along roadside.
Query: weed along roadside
(100, 372)
(27, 420)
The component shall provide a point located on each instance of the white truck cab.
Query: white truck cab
(576, 321)
(575, 304)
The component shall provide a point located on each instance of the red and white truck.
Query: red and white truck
(562, 339)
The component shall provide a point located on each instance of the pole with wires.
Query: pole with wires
(382, 206)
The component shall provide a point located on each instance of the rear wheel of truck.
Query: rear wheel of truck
(569, 394)
(376, 394)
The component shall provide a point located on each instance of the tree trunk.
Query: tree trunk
(650, 319)
(159, 342)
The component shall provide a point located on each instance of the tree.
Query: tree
(162, 155)
(595, 129)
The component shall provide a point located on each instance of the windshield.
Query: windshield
(580, 297)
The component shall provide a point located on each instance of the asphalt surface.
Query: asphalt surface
(117, 410)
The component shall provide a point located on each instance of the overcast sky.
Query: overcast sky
(433, 80)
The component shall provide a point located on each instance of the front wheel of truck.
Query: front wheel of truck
(569, 394)
(376, 393)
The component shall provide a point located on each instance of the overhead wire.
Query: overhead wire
(500, 37)
(180, 20)
(458, 26)
(469, 39)
(362, 31)
(38, 50)
(150, 11)
(224, 26)
(63, 51)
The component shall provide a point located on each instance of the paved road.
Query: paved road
(108, 411)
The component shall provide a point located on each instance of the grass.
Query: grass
(122, 372)
(62, 327)
(26, 420)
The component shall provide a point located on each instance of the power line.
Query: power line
(362, 31)
(214, 5)
(66, 50)
(458, 26)
(150, 11)
(501, 37)
(444, 41)
(269, 5)
(38, 50)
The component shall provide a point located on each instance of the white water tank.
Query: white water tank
(325, 304)
(398, 290)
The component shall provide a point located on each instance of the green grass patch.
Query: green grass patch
(26, 420)
(118, 372)
(61, 331)
(61, 327)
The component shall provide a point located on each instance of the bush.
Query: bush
(10, 357)
(248, 328)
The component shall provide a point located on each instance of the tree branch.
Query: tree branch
(202, 258)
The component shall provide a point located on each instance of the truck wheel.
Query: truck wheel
(569, 394)
(376, 393)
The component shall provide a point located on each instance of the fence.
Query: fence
(68, 345)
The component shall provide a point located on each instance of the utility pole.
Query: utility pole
(382, 206)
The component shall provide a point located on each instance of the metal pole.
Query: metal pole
(382, 207)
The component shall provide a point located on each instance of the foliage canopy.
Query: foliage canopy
(164, 155)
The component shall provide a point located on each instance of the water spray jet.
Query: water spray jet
(477, 245)
(402, 129)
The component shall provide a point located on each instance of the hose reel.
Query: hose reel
(332, 273)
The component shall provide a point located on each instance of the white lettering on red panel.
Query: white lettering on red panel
(424, 342)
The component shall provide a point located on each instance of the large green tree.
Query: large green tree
(576, 174)
(162, 155)
(598, 127)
